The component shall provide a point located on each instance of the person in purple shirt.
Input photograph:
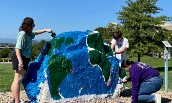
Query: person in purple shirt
(145, 81)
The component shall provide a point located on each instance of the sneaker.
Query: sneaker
(157, 98)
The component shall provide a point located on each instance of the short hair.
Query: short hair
(117, 34)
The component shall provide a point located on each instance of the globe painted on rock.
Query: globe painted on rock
(72, 64)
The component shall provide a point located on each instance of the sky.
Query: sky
(63, 15)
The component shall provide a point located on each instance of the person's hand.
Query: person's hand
(49, 30)
(20, 65)
(124, 81)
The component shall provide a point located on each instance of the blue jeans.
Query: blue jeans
(148, 87)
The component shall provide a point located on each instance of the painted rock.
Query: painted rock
(72, 64)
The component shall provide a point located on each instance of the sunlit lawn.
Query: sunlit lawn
(6, 76)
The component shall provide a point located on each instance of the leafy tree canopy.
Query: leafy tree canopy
(5, 53)
(141, 26)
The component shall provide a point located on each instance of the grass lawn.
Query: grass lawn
(6, 72)
(6, 76)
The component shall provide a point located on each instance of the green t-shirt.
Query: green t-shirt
(24, 43)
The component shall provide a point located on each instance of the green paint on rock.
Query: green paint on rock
(99, 55)
(58, 67)
(95, 41)
(55, 43)
(69, 41)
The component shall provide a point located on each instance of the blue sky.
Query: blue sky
(63, 15)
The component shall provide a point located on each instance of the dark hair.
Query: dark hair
(117, 34)
(126, 63)
(26, 25)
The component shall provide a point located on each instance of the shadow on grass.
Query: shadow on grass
(126, 93)
(162, 69)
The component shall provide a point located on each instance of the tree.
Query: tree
(5, 53)
(107, 31)
(37, 48)
(104, 32)
(141, 26)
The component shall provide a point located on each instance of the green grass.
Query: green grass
(6, 72)
(6, 76)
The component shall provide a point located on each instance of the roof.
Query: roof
(167, 26)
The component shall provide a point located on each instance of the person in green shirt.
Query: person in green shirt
(22, 54)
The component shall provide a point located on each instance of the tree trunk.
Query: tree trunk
(159, 55)
(138, 57)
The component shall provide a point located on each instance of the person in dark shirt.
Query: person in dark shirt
(145, 81)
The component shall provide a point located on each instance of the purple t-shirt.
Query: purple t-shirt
(140, 72)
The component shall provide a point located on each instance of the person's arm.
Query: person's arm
(43, 31)
(135, 78)
(113, 42)
(20, 45)
(124, 47)
(121, 50)
(126, 80)
(113, 47)
(19, 57)
(18, 54)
